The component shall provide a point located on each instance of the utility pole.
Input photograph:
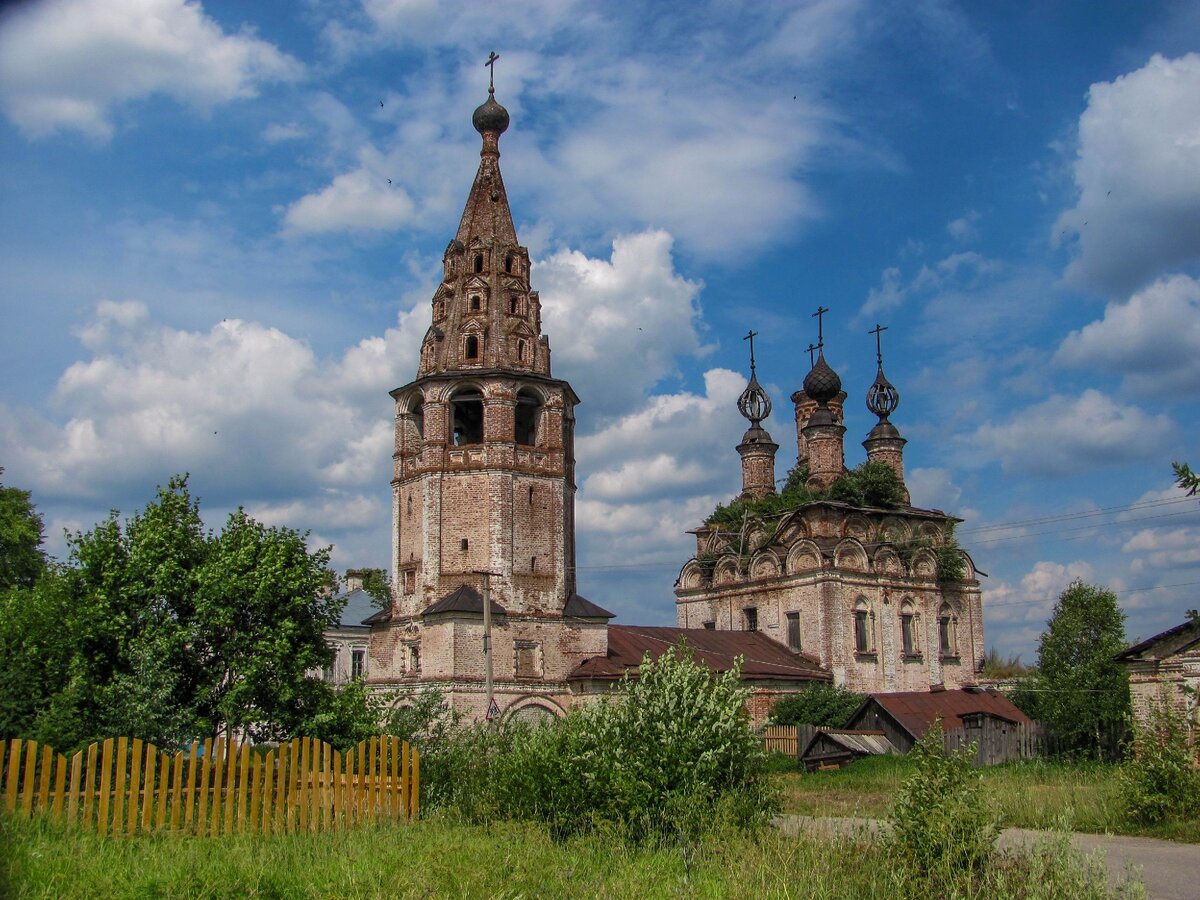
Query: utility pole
(487, 638)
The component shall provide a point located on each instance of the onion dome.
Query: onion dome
(822, 384)
(490, 116)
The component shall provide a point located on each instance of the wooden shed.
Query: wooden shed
(833, 748)
(971, 715)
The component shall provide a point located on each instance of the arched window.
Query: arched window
(508, 263)
(418, 415)
(908, 630)
(467, 408)
(520, 351)
(862, 627)
(946, 636)
(478, 262)
(471, 347)
(525, 419)
(439, 309)
(512, 306)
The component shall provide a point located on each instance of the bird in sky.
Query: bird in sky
(381, 104)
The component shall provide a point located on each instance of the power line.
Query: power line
(1145, 504)
(1144, 590)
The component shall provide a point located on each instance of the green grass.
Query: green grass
(1033, 794)
(441, 858)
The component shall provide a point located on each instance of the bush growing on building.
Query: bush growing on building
(822, 704)
(1159, 780)
(943, 830)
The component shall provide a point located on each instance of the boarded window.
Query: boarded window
(751, 614)
(946, 630)
(793, 631)
(907, 631)
(862, 629)
(527, 659)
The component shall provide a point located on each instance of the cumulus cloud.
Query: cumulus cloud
(1138, 212)
(631, 313)
(1153, 339)
(956, 272)
(1016, 614)
(965, 227)
(1062, 435)
(66, 64)
(359, 200)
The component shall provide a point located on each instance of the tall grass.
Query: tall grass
(445, 858)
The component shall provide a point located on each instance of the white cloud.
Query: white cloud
(364, 198)
(65, 64)
(964, 228)
(631, 313)
(934, 488)
(1153, 339)
(1015, 615)
(1064, 435)
(1138, 212)
(957, 272)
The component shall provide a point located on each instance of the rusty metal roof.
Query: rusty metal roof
(763, 658)
(915, 711)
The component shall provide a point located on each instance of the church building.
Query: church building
(483, 503)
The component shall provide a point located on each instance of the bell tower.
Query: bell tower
(484, 469)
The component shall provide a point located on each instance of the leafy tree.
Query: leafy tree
(1080, 692)
(821, 704)
(375, 583)
(21, 558)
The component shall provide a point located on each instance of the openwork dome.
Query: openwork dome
(754, 404)
(882, 396)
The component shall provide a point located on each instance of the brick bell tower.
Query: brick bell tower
(484, 478)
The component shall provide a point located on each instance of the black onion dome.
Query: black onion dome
(490, 116)
(822, 383)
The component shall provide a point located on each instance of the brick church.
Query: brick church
(484, 482)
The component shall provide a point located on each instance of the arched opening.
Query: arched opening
(525, 419)
(862, 627)
(418, 415)
(508, 263)
(512, 306)
(520, 351)
(908, 631)
(467, 407)
(471, 347)
(946, 635)
(478, 262)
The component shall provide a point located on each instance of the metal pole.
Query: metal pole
(487, 639)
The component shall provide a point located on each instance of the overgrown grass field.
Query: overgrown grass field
(1034, 794)
(444, 858)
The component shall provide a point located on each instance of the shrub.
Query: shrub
(1158, 780)
(943, 829)
(821, 704)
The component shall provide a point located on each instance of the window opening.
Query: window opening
(465, 544)
(419, 418)
(478, 262)
(793, 631)
(907, 635)
(468, 418)
(358, 663)
(527, 653)
(410, 581)
(525, 419)
(533, 564)
(414, 655)
(512, 305)
(508, 263)
(531, 495)
(520, 351)
(946, 631)
(751, 614)
(710, 626)
(862, 629)
(474, 303)
(471, 347)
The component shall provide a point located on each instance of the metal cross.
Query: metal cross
(491, 64)
(750, 337)
(811, 359)
(821, 310)
(877, 330)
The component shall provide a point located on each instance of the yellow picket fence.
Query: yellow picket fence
(127, 786)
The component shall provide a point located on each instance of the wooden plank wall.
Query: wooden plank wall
(997, 742)
(789, 740)
(127, 786)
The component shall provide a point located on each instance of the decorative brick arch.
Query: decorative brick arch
(850, 556)
(727, 570)
(887, 561)
(804, 556)
(692, 576)
(765, 564)
(923, 564)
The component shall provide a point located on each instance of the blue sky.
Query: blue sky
(204, 266)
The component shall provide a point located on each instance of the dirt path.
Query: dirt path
(1169, 870)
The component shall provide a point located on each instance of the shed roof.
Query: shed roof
(915, 711)
(1164, 644)
(763, 658)
(869, 743)
(582, 608)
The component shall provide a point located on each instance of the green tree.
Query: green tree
(1186, 478)
(375, 583)
(820, 704)
(21, 558)
(1082, 693)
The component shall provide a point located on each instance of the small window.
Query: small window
(531, 495)
(793, 631)
(533, 564)
(710, 626)
(512, 306)
(465, 544)
(414, 659)
(410, 581)
(439, 309)
(471, 347)
(527, 659)
(520, 351)
(475, 303)
(751, 614)
(908, 640)
(478, 262)
(358, 663)
(508, 263)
